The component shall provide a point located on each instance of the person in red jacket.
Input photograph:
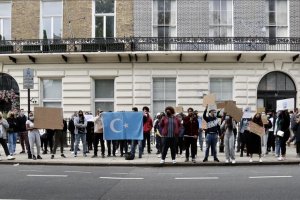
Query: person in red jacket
(170, 126)
(147, 127)
(191, 127)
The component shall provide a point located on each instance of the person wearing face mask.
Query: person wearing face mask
(33, 137)
(212, 131)
(254, 140)
(228, 125)
(98, 134)
(191, 127)
(147, 127)
(282, 124)
(170, 126)
(12, 132)
(3, 136)
(271, 137)
(80, 123)
(23, 134)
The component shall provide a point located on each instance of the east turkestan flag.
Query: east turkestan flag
(123, 125)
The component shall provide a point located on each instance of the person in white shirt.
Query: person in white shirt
(33, 137)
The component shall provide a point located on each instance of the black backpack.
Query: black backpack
(129, 156)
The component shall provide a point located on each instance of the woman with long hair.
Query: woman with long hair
(228, 126)
(254, 140)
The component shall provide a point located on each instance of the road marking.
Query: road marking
(261, 177)
(29, 170)
(39, 175)
(197, 178)
(120, 178)
(81, 172)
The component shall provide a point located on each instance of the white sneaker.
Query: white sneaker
(0, 158)
(260, 160)
(250, 160)
(159, 156)
(174, 161)
(233, 161)
(227, 161)
(279, 158)
(9, 157)
(162, 161)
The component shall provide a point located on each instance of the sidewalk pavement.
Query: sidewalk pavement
(147, 159)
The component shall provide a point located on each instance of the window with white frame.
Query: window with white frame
(164, 20)
(164, 93)
(104, 94)
(104, 18)
(277, 11)
(222, 88)
(220, 18)
(52, 18)
(52, 92)
(5, 20)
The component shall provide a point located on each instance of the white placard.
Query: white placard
(285, 104)
(89, 118)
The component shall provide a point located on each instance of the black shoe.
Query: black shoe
(103, 156)
(87, 152)
(63, 155)
(52, 156)
(39, 157)
(140, 156)
(30, 156)
(44, 152)
(22, 152)
(114, 155)
(205, 160)
(186, 160)
(94, 156)
(108, 155)
(158, 152)
(216, 160)
(33, 157)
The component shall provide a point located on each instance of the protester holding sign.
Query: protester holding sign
(282, 133)
(33, 137)
(229, 125)
(80, 123)
(212, 131)
(254, 140)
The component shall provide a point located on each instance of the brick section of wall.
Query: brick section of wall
(143, 18)
(25, 19)
(249, 18)
(294, 18)
(79, 13)
(124, 18)
(192, 18)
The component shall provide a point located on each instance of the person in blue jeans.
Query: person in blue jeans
(12, 132)
(80, 123)
(134, 143)
(212, 131)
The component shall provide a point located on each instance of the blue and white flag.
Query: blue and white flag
(123, 125)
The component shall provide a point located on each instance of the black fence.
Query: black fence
(149, 44)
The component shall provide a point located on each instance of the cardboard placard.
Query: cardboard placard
(264, 119)
(48, 118)
(285, 104)
(89, 118)
(209, 99)
(255, 128)
(222, 104)
(204, 125)
(260, 110)
(235, 112)
(179, 109)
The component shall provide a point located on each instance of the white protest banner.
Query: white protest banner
(89, 118)
(285, 104)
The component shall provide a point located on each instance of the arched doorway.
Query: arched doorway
(275, 86)
(9, 93)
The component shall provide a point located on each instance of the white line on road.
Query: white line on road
(197, 178)
(81, 172)
(120, 178)
(38, 175)
(261, 177)
(29, 170)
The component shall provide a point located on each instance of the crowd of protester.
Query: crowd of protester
(179, 132)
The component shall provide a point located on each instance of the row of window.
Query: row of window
(164, 18)
(164, 92)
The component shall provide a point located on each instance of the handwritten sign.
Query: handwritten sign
(235, 112)
(255, 128)
(209, 99)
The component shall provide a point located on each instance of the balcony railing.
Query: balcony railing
(131, 44)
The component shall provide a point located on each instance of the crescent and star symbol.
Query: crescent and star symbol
(113, 128)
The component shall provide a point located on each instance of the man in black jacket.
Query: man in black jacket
(23, 134)
(212, 131)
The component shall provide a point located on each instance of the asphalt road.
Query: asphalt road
(68, 182)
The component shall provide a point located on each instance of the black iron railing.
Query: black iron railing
(149, 44)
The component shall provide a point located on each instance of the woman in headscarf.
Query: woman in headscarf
(254, 140)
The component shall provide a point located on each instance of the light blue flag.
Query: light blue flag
(123, 125)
